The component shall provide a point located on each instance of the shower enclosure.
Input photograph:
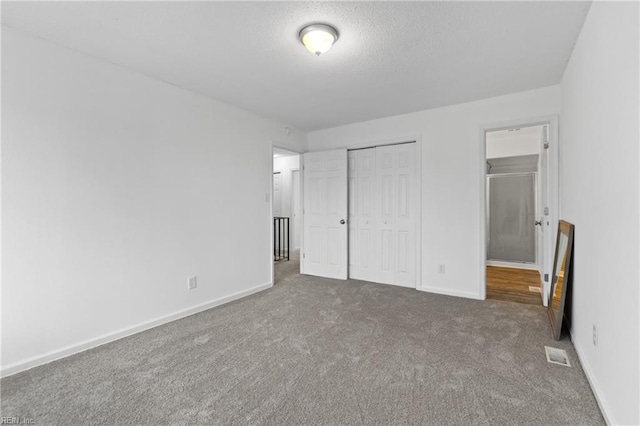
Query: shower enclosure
(511, 211)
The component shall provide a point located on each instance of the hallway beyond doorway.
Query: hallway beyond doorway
(286, 269)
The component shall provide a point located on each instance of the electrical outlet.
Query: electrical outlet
(441, 268)
(193, 283)
(595, 335)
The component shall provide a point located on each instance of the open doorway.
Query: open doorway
(286, 214)
(516, 178)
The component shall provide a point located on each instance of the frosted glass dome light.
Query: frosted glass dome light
(318, 38)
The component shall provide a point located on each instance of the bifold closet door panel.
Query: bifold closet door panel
(386, 224)
(382, 215)
(407, 215)
(362, 212)
(395, 171)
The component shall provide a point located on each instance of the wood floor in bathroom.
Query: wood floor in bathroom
(512, 284)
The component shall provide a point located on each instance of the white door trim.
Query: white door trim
(553, 193)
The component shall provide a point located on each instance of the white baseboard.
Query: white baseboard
(23, 365)
(515, 265)
(447, 292)
(604, 408)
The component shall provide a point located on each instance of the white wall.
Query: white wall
(115, 189)
(501, 144)
(599, 194)
(286, 165)
(452, 168)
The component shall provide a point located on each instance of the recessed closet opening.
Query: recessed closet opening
(361, 210)
(383, 216)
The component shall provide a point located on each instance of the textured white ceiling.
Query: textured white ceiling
(391, 58)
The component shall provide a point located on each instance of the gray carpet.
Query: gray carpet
(287, 269)
(317, 351)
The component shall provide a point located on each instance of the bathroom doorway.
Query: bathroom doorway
(514, 217)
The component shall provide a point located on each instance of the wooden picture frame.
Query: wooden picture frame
(561, 275)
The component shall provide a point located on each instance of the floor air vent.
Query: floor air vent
(557, 356)
(534, 289)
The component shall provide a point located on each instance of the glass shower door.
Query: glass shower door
(511, 218)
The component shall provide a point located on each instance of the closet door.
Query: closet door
(362, 215)
(383, 215)
(395, 171)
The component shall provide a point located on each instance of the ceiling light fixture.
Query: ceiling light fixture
(318, 38)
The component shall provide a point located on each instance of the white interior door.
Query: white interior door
(363, 211)
(383, 215)
(395, 172)
(295, 207)
(325, 214)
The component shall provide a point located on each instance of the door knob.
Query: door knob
(342, 222)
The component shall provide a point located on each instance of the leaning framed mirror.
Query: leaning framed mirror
(561, 277)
